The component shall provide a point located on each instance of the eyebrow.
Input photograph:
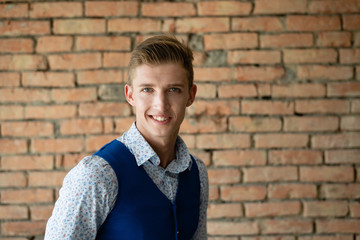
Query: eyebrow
(169, 85)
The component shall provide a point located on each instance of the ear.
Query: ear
(129, 94)
(192, 94)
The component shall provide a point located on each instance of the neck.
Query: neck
(165, 149)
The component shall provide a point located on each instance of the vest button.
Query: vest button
(178, 232)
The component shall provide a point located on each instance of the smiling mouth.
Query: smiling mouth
(160, 118)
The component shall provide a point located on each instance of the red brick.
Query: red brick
(206, 90)
(81, 126)
(224, 176)
(54, 44)
(295, 157)
(205, 124)
(325, 209)
(337, 6)
(357, 39)
(334, 39)
(262, 107)
(12, 179)
(134, 25)
(280, 6)
(311, 124)
(123, 124)
(213, 193)
(104, 109)
(342, 156)
(349, 56)
(322, 106)
(42, 212)
(222, 141)
(99, 77)
(239, 158)
(24, 95)
(9, 79)
(115, 59)
(224, 210)
(171, 9)
(243, 193)
(326, 174)
(348, 89)
(313, 23)
(11, 112)
(198, 25)
(55, 10)
(9, 146)
(48, 79)
(340, 191)
(22, 62)
(254, 57)
(254, 124)
(23, 228)
(354, 209)
(272, 209)
(237, 90)
(14, 28)
(13, 212)
(263, 24)
(224, 8)
(110, 8)
(337, 226)
(28, 128)
(318, 72)
(292, 191)
(19, 45)
(276, 237)
(27, 162)
(29, 195)
(230, 41)
(280, 140)
(351, 22)
(262, 74)
(310, 55)
(350, 123)
(60, 145)
(75, 61)
(218, 108)
(355, 106)
(326, 237)
(342, 140)
(50, 111)
(79, 26)
(46, 178)
(293, 226)
(213, 74)
(103, 43)
(270, 174)
(68, 161)
(12, 10)
(299, 90)
(286, 40)
(233, 228)
(74, 95)
(94, 143)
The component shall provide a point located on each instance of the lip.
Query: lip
(160, 119)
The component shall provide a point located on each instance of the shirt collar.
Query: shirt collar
(143, 152)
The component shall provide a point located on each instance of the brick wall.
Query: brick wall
(277, 117)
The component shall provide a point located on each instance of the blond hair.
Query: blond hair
(162, 49)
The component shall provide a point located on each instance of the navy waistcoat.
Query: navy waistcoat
(141, 210)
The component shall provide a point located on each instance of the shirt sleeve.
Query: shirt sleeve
(201, 232)
(86, 198)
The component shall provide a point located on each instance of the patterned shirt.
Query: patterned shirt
(89, 190)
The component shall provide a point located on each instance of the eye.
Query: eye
(146, 90)
(174, 89)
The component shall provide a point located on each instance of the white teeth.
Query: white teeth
(161, 119)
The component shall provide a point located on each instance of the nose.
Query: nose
(161, 102)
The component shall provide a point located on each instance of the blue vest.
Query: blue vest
(141, 210)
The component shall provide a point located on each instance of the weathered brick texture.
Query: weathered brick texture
(277, 118)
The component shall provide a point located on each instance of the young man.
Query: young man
(145, 184)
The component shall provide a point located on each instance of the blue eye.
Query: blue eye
(146, 90)
(174, 89)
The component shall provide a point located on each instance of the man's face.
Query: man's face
(160, 95)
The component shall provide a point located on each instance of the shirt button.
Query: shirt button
(178, 232)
